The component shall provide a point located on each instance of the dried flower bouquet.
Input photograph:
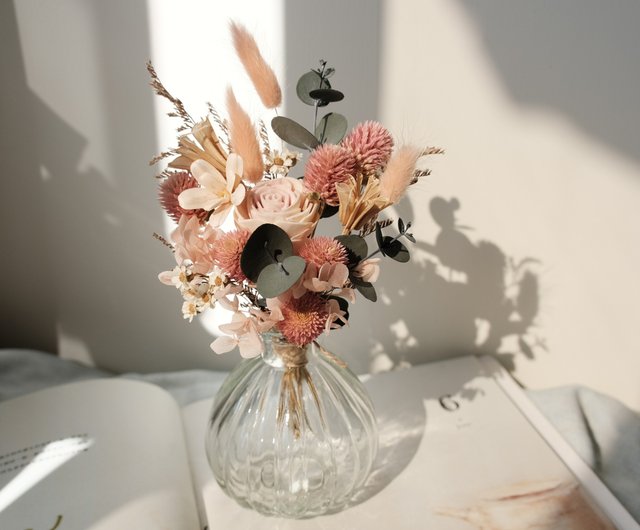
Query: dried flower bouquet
(271, 270)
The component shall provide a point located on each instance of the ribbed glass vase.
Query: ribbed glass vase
(292, 433)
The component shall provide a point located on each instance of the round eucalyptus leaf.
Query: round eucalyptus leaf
(329, 211)
(293, 133)
(331, 128)
(380, 238)
(366, 289)
(308, 82)
(277, 278)
(269, 244)
(326, 95)
(395, 250)
(356, 247)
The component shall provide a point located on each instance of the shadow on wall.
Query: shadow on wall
(571, 57)
(464, 296)
(27, 308)
(97, 283)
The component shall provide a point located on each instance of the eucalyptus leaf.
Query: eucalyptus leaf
(395, 250)
(277, 278)
(308, 82)
(410, 237)
(269, 244)
(329, 211)
(331, 128)
(293, 133)
(366, 289)
(356, 248)
(400, 225)
(326, 95)
(380, 238)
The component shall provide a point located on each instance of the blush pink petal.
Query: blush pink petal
(224, 344)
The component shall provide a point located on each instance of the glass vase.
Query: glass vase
(292, 433)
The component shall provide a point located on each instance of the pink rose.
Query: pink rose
(283, 202)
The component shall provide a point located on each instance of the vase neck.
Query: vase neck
(280, 353)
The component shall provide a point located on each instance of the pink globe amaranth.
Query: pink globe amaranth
(321, 250)
(304, 318)
(327, 166)
(227, 251)
(372, 145)
(284, 202)
(171, 188)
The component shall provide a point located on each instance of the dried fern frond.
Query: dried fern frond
(161, 156)
(163, 240)
(432, 151)
(264, 137)
(222, 125)
(160, 90)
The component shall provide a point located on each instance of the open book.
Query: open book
(460, 448)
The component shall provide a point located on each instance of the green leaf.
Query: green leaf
(293, 133)
(356, 248)
(380, 238)
(308, 82)
(395, 250)
(326, 95)
(269, 244)
(329, 211)
(278, 278)
(331, 128)
(400, 225)
(366, 289)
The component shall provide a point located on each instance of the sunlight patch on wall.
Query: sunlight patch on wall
(193, 55)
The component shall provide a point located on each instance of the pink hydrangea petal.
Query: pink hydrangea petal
(224, 344)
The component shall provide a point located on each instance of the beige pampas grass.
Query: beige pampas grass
(398, 174)
(244, 140)
(261, 74)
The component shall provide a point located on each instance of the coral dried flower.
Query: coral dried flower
(372, 144)
(227, 251)
(169, 190)
(321, 250)
(303, 318)
(327, 166)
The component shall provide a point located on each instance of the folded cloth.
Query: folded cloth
(25, 371)
(604, 432)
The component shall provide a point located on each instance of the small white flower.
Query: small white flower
(189, 310)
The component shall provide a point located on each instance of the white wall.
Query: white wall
(534, 102)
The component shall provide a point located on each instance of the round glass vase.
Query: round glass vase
(292, 433)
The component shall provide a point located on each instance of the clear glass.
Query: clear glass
(292, 441)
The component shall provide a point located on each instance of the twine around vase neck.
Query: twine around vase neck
(292, 356)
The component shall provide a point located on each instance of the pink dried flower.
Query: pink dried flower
(244, 140)
(227, 251)
(399, 173)
(327, 166)
(261, 74)
(169, 190)
(303, 318)
(321, 250)
(372, 145)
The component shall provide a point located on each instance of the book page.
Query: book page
(96, 455)
(455, 454)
